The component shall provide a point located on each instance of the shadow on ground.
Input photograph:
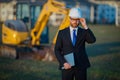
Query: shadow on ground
(102, 49)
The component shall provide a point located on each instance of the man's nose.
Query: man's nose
(76, 21)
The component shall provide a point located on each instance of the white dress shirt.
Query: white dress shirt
(71, 32)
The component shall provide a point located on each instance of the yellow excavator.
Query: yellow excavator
(15, 33)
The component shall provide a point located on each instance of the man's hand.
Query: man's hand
(83, 23)
(67, 65)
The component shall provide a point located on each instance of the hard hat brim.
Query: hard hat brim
(73, 18)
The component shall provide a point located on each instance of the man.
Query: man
(72, 40)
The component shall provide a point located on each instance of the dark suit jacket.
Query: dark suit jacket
(64, 46)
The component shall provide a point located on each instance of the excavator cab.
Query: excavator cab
(14, 32)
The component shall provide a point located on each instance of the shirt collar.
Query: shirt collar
(71, 28)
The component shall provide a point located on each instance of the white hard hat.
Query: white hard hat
(75, 13)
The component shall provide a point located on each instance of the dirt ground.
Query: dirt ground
(44, 54)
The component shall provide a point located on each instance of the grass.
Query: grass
(105, 67)
(104, 56)
(106, 33)
(27, 70)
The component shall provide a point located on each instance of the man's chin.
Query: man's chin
(75, 26)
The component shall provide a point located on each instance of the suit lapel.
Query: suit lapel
(69, 36)
(79, 34)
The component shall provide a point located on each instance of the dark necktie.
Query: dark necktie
(74, 37)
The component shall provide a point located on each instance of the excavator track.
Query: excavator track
(7, 51)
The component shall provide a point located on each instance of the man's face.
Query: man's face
(74, 22)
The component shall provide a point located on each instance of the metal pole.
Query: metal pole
(29, 16)
(116, 16)
(92, 14)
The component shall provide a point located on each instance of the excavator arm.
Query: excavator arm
(50, 7)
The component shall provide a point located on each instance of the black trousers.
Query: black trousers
(74, 74)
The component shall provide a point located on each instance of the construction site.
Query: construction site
(28, 31)
(25, 24)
